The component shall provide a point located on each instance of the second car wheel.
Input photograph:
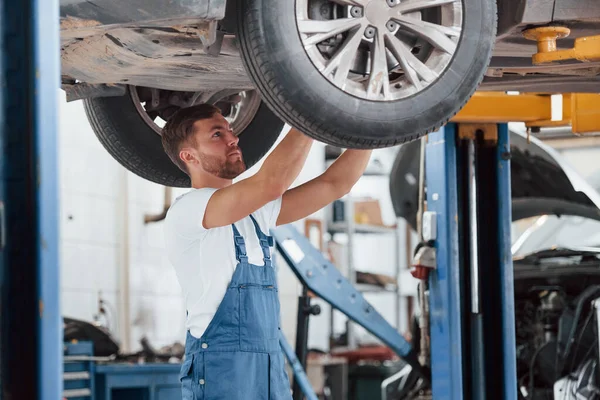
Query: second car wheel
(129, 127)
(366, 73)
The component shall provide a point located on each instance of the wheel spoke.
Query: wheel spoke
(343, 58)
(412, 6)
(322, 30)
(378, 76)
(449, 31)
(356, 54)
(414, 69)
(435, 34)
(361, 3)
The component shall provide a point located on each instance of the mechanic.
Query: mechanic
(217, 240)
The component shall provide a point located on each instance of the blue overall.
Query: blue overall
(238, 356)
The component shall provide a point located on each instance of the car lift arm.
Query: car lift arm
(322, 277)
(586, 48)
(580, 111)
(300, 376)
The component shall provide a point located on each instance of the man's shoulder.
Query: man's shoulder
(195, 195)
(194, 199)
(187, 211)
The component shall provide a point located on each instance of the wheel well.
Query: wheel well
(229, 23)
(510, 13)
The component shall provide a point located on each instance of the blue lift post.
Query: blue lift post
(30, 336)
(467, 169)
(470, 292)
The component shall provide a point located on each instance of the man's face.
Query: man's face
(217, 148)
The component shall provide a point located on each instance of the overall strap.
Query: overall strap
(265, 241)
(240, 246)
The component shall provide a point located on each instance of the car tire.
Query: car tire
(404, 182)
(135, 145)
(274, 57)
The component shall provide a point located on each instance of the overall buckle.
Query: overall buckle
(267, 241)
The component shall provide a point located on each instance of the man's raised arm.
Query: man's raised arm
(278, 172)
(335, 182)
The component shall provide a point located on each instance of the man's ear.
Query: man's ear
(188, 156)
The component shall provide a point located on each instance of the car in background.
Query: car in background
(556, 261)
(350, 73)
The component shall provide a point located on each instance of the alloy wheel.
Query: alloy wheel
(380, 50)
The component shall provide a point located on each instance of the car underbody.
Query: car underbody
(102, 52)
(556, 338)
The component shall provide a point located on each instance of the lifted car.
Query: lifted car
(351, 73)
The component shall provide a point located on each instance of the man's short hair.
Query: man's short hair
(179, 130)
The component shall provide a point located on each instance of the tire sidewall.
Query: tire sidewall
(131, 141)
(304, 86)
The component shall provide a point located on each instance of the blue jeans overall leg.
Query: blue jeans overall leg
(238, 356)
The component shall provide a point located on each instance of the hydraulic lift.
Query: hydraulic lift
(466, 161)
(464, 260)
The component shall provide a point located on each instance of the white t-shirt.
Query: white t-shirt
(204, 259)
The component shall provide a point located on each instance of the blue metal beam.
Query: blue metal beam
(297, 368)
(445, 286)
(19, 284)
(47, 80)
(471, 299)
(30, 339)
(506, 264)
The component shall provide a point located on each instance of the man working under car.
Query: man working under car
(217, 240)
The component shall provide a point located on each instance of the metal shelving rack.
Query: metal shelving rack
(352, 229)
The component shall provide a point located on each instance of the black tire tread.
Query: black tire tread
(106, 132)
(274, 94)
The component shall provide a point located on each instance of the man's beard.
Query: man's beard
(227, 169)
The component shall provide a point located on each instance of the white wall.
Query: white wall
(98, 243)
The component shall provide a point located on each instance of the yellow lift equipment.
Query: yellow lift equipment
(579, 111)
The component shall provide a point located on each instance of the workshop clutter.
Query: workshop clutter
(367, 211)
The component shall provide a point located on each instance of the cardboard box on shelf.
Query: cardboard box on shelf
(368, 212)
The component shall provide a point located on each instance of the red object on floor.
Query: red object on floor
(367, 353)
